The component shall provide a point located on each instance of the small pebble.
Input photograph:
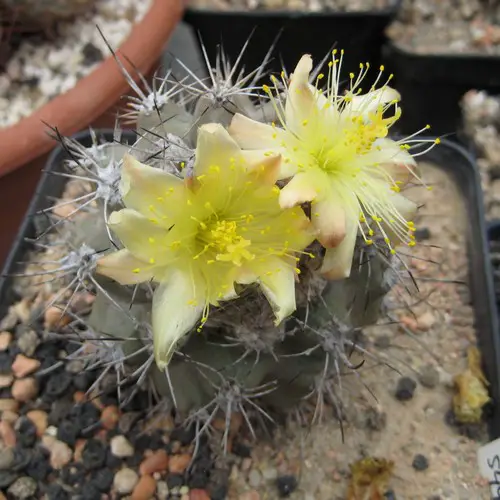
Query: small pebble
(198, 494)
(254, 478)
(7, 434)
(145, 489)
(26, 432)
(162, 490)
(9, 416)
(93, 454)
(6, 381)
(420, 462)
(426, 321)
(241, 450)
(270, 473)
(25, 389)
(28, 342)
(5, 340)
(286, 485)
(24, 366)
(103, 479)
(60, 455)
(249, 495)
(110, 417)
(6, 456)
(54, 318)
(405, 389)
(121, 447)
(428, 376)
(125, 481)
(23, 488)
(40, 420)
(178, 463)
(158, 461)
(8, 405)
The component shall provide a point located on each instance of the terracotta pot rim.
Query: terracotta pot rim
(94, 94)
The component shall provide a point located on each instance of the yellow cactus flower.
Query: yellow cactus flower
(335, 147)
(199, 236)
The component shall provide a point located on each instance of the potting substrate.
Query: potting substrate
(42, 66)
(399, 405)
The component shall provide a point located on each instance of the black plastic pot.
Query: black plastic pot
(448, 156)
(360, 34)
(432, 85)
(49, 187)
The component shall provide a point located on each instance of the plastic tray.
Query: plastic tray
(450, 157)
(360, 34)
(432, 86)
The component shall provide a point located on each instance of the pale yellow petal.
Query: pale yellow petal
(278, 285)
(337, 262)
(406, 208)
(147, 189)
(329, 219)
(177, 307)
(123, 267)
(144, 239)
(369, 102)
(300, 189)
(214, 148)
(251, 134)
(301, 102)
(261, 165)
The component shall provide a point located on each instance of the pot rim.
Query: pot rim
(93, 95)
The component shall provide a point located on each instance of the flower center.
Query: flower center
(221, 238)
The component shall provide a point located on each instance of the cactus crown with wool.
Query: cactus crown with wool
(238, 246)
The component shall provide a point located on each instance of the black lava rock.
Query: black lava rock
(7, 478)
(420, 462)
(60, 409)
(82, 381)
(134, 461)
(139, 400)
(91, 54)
(241, 450)
(68, 432)
(22, 458)
(39, 467)
(86, 418)
(5, 362)
(89, 492)
(390, 495)
(175, 480)
(198, 479)
(405, 389)
(94, 454)
(58, 385)
(111, 461)
(153, 441)
(219, 492)
(25, 432)
(103, 479)
(422, 234)
(286, 485)
(185, 435)
(55, 491)
(73, 475)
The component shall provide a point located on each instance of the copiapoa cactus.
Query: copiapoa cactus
(238, 246)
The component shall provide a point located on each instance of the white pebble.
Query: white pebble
(121, 447)
(125, 480)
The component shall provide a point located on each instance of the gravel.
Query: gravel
(39, 71)
(448, 26)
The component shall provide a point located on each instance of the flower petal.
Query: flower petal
(176, 309)
(329, 218)
(143, 187)
(124, 268)
(279, 288)
(406, 208)
(299, 190)
(301, 99)
(397, 162)
(144, 239)
(369, 102)
(264, 167)
(214, 148)
(251, 134)
(337, 262)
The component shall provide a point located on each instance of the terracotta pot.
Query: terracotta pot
(92, 102)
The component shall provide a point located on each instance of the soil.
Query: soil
(302, 5)
(57, 439)
(379, 425)
(448, 26)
